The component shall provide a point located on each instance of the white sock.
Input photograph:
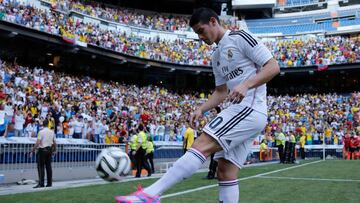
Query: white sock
(229, 191)
(183, 168)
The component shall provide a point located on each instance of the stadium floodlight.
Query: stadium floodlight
(51, 64)
(49, 54)
(282, 73)
(172, 70)
(198, 72)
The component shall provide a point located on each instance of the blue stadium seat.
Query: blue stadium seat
(305, 23)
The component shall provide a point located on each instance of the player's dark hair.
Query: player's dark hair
(218, 109)
(203, 15)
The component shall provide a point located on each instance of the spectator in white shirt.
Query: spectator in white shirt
(71, 127)
(9, 110)
(104, 129)
(85, 129)
(160, 131)
(78, 128)
(19, 124)
(30, 130)
(59, 130)
(152, 129)
(97, 125)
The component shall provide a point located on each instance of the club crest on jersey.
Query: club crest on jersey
(230, 54)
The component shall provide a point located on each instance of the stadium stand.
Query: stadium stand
(182, 51)
(37, 94)
(109, 111)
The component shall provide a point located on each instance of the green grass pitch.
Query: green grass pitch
(325, 181)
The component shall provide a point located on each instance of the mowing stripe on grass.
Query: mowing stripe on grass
(311, 179)
(240, 179)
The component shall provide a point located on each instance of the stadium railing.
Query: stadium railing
(77, 157)
(70, 153)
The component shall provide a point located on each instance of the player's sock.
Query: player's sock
(229, 191)
(184, 167)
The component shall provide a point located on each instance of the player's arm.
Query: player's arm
(260, 55)
(216, 98)
(269, 71)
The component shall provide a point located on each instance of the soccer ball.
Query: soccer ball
(112, 163)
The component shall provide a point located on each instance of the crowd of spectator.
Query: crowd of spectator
(82, 107)
(317, 117)
(106, 111)
(133, 17)
(317, 51)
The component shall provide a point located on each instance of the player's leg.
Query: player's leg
(236, 140)
(228, 183)
(184, 167)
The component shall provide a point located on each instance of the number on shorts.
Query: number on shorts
(216, 122)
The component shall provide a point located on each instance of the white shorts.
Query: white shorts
(234, 129)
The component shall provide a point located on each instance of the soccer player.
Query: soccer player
(241, 65)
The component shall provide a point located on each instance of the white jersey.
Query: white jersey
(238, 57)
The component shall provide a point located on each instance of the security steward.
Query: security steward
(140, 153)
(45, 146)
(150, 153)
(133, 149)
(280, 143)
(293, 144)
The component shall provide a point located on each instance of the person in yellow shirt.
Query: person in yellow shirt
(34, 109)
(150, 153)
(133, 147)
(302, 146)
(263, 150)
(292, 147)
(189, 138)
(328, 134)
(108, 137)
(309, 138)
(140, 153)
(280, 143)
(303, 130)
(51, 122)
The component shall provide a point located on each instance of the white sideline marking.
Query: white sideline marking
(311, 179)
(240, 179)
